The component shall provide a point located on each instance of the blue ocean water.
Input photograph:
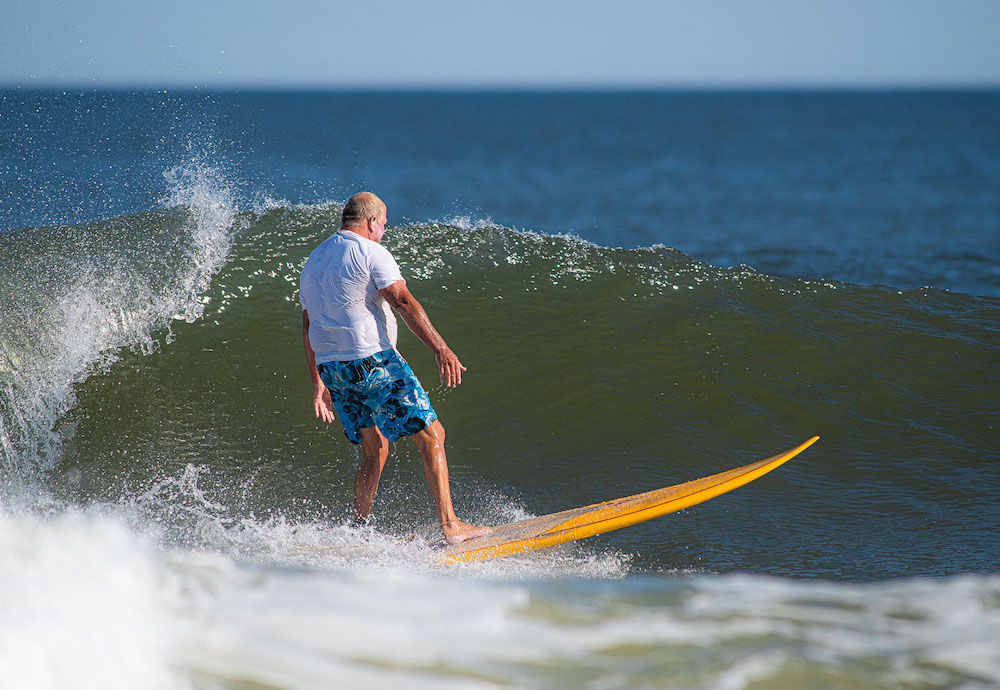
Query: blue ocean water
(646, 287)
(896, 188)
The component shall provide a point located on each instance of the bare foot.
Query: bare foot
(457, 531)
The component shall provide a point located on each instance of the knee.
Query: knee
(431, 435)
(436, 431)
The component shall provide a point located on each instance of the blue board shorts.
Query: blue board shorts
(380, 390)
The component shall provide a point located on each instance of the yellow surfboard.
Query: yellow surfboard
(579, 523)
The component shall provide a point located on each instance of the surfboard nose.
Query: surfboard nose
(600, 518)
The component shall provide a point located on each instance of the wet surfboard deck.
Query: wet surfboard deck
(600, 518)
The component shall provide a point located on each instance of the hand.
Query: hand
(322, 404)
(451, 368)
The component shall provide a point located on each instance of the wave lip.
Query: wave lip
(72, 297)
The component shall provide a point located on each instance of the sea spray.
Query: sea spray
(208, 198)
(73, 297)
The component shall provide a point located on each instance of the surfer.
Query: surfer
(347, 287)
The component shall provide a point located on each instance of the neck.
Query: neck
(359, 230)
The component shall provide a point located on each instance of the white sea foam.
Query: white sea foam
(80, 607)
(89, 603)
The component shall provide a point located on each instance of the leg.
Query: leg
(374, 451)
(430, 442)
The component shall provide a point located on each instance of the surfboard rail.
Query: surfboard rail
(599, 518)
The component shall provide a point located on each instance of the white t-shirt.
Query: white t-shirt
(340, 283)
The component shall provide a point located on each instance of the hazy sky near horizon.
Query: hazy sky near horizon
(500, 44)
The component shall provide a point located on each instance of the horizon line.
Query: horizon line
(502, 87)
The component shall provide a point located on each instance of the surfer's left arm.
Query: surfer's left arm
(406, 305)
(322, 404)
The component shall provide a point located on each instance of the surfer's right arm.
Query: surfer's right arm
(416, 319)
(322, 404)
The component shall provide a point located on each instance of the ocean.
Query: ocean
(646, 288)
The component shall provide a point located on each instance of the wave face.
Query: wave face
(139, 346)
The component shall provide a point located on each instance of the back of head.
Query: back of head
(360, 208)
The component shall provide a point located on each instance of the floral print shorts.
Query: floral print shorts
(380, 390)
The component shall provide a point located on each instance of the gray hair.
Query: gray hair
(360, 208)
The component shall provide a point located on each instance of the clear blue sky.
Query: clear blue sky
(502, 43)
